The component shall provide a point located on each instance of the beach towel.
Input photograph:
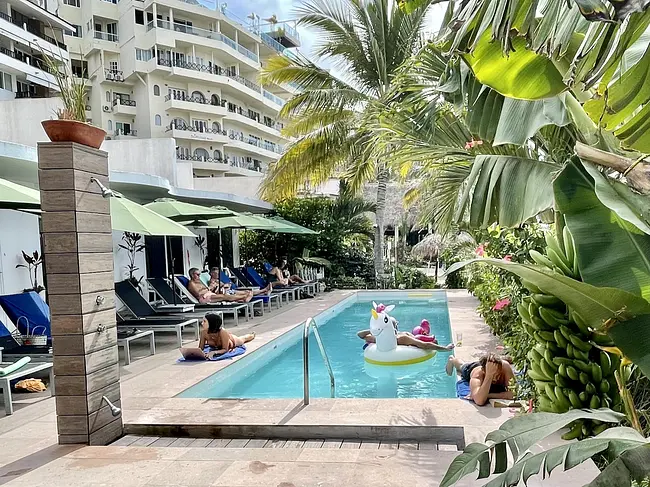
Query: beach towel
(228, 355)
(462, 389)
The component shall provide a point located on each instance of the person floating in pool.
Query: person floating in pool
(488, 378)
(218, 338)
(405, 338)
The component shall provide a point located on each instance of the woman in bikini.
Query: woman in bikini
(218, 338)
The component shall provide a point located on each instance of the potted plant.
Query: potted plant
(199, 241)
(32, 263)
(71, 125)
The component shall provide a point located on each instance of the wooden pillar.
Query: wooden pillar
(78, 256)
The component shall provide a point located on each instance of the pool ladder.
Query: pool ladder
(311, 323)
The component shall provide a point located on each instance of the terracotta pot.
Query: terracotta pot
(73, 131)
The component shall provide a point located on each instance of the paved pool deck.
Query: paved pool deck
(31, 456)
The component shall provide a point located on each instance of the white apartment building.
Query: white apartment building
(27, 30)
(184, 70)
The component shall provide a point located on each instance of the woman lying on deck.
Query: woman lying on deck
(218, 338)
(488, 378)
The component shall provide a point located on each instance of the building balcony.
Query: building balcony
(36, 71)
(187, 132)
(203, 163)
(284, 33)
(120, 135)
(210, 39)
(241, 116)
(226, 78)
(26, 33)
(254, 146)
(194, 104)
(96, 40)
(124, 107)
(112, 76)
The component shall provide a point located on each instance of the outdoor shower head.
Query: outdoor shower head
(115, 411)
(105, 191)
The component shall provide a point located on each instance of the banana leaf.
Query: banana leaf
(633, 464)
(594, 304)
(522, 432)
(522, 74)
(507, 189)
(611, 251)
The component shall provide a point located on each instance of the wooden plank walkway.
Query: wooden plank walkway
(168, 442)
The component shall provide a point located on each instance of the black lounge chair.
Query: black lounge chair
(160, 323)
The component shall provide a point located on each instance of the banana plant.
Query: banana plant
(629, 448)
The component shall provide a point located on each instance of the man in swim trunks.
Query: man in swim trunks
(404, 338)
(204, 295)
(488, 378)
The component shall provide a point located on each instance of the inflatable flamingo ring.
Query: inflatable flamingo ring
(385, 350)
(423, 332)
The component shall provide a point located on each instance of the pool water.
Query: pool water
(278, 373)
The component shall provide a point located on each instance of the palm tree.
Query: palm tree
(368, 40)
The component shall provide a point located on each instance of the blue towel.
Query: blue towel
(462, 389)
(228, 355)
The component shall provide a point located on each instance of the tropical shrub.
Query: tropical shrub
(411, 278)
(343, 239)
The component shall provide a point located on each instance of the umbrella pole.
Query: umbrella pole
(170, 262)
(219, 257)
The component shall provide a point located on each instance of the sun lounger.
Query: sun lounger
(162, 288)
(26, 370)
(253, 276)
(181, 283)
(309, 285)
(267, 298)
(159, 323)
(132, 298)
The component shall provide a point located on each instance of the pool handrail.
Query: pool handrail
(311, 323)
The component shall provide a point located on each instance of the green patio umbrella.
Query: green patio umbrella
(238, 220)
(15, 196)
(180, 211)
(284, 226)
(128, 216)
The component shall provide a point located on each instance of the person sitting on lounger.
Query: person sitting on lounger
(283, 276)
(216, 285)
(220, 340)
(488, 378)
(204, 295)
(404, 338)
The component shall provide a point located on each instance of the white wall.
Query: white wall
(22, 119)
(247, 186)
(19, 232)
(121, 260)
(155, 157)
(191, 253)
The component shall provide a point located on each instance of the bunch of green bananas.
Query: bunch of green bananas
(568, 371)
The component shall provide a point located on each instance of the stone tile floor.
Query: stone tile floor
(31, 457)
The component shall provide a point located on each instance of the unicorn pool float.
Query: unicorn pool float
(385, 351)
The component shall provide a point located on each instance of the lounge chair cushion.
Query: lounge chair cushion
(15, 366)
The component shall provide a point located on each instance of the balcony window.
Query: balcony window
(201, 154)
(198, 97)
(218, 156)
(214, 99)
(79, 68)
(143, 54)
(139, 17)
(157, 120)
(5, 81)
(78, 31)
(156, 90)
(216, 127)
(72, 3)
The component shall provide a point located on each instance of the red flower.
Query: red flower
(508, 258)
(480, 250)
(473, 143)
(500, 304)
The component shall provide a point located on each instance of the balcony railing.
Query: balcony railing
(239, 161)
(132, 133)
(232, 108)
(269, 146)
(218, 70)
(275, 99)
(28, 94)
(194, 99)
(31, 60)
(207, 34)
(126, 103)
(114, 75)
(34, 30)
(271, 42)
(106, 36)
(192, 128)
(197, 158)
(282, 28)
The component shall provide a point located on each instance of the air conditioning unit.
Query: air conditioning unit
(107, 108)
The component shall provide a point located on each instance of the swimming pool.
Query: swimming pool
(276, 369)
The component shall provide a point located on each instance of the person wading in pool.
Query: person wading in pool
(488, 378)
(218, 338)
(404, 338)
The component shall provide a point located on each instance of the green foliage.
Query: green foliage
(343, 241)
(344, 282)
(410, 278)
